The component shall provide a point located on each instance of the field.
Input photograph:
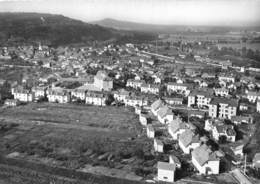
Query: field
(82, 138)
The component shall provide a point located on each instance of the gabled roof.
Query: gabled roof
(202, 92)
(226, 129)
(188, 137)
(164, 111)
(166, 166)
(157, 104)
(176, 125)
(203, 154)
(230, 102)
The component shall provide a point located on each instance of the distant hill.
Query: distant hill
(56, 30)
(167, 29)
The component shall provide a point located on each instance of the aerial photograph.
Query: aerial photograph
(129, 91)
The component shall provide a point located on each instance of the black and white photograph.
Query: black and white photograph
(129, 91)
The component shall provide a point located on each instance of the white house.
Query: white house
(59, 96)
(156, 106)
(258, 106)
(179, 88)
(218, 128)
(176, 127)
(79, 94)
(158, 145)
(226, 78)
(150, 131)
(143, 119)
(242, 119)
(23, 95)
(224, 130)
(95, 98)
(238, 150)
(165, 115)
(136, 101)
(222, 92)
(200, 98)
(150, 88)
(188, 141)
(223, 108)
(165, 172)
(134, 83)
(205, 160)
(173, 101)
(12, 102)
(39, 92)
(121, 95)
(253, 96)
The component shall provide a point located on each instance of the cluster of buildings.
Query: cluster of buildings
(124, 74)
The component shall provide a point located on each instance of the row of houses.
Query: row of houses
(204, 159)
(59, 95)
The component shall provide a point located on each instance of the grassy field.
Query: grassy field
(74, 137)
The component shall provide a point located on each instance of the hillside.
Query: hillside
(53, 29)
(167, 29)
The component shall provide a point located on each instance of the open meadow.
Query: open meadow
(84, 138)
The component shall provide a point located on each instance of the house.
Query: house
(176, 127)
(242, 119)
(173, 101)
(238, 149)
(200, 98)
(150, 88)
(243, 107)
(79, 93)
(58, 96)
(136, 84)
(227, 131)
(258, 106)
(223, 108)
(11, 102)
(197, 113)
(208, 76)
(174, 160)
(253, 96)
(158, 145)
(121, 95)
(256, 161)
(96, 98)
(205, 160)
(136, 101)
(165, 115)
(39, 92)
(150, 131)
(102, 81)
(188, 141)
(138, 110)
(226, 78)
(156, 106)
(143, 119)
(221, 92)
(179, 88)
(165, 172)
(23, 95)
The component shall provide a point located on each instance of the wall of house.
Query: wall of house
(166, 176)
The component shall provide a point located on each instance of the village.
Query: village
(200, 113)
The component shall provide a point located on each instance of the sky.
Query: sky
(176, 12)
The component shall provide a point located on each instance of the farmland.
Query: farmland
(83, 138)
